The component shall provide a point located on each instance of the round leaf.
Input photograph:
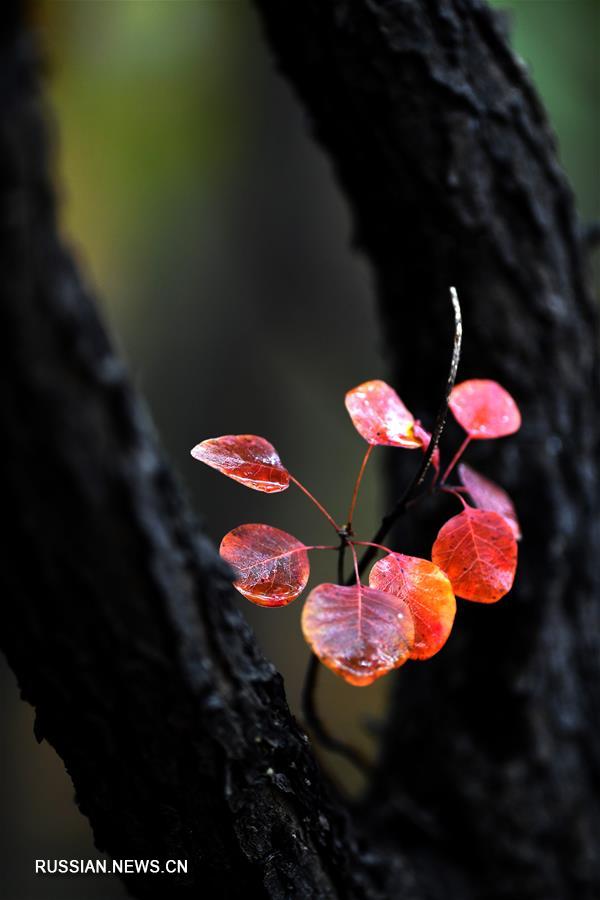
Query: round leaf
(358, 632)
(484, 409)
(246, 458)
(380, 416)
(272, 566)
(478, 552)
(428, 594)
(486, 494)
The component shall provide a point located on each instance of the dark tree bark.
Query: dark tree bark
(118, 619)
(118, 616)
(491, 758)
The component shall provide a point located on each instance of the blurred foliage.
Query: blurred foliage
(218, 243)
(144, 95)
(559, 40)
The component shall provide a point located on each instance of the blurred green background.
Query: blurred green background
(218, 244)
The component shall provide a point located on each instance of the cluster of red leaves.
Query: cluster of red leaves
(407, 610)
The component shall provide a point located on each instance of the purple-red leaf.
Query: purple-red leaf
(486, 494)
(358, 632)
(271, 565)
(478, 552)
(484, 409)
(428, 594)
(380, 416)
(246, 458)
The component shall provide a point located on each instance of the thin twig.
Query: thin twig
(392, 517)
(341, 555)
(357, 483)
(314, 722)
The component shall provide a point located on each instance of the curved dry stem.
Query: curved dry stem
(314, 722)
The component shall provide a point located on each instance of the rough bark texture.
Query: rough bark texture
(118, 620)
(491, 760)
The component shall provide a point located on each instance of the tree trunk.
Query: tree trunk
(119, 621)
(491, 759)
(121, 628)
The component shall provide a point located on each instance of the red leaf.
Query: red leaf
(486, 494)
(478, 552)
(428, 594)
(424, 438)
(380, 416)
(358, 632)
(272, 566)
(484, 409)
(246, 458)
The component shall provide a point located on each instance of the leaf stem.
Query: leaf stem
(356, 572)
(372, 544)
(314, 500)
(392, 517)
(357, 485)
(456, 458)
(455, 493)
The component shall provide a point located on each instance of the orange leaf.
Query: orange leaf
(484, 409)
(478, 552)
(272, 566)
(380, 416)
(358, 632)
(428, 594)
(246, 458)
(486, 494)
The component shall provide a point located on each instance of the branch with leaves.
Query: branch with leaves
(407, 609)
